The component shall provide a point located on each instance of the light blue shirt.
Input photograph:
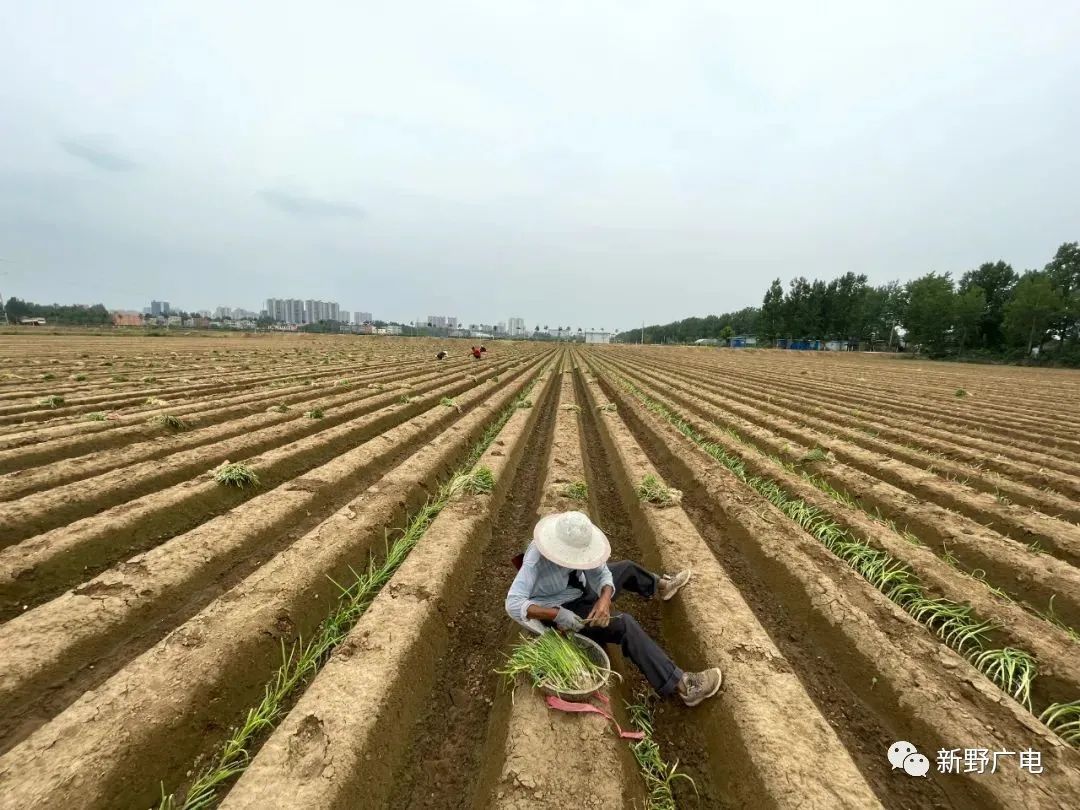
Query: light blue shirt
(545, 584)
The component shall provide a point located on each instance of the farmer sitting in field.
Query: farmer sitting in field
(564, 581)
(475, 353)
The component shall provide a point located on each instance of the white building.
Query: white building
(598, 337)
(362, 317)
(516, 327)
(315, 311)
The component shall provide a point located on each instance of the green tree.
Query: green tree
(929, 313)
(969, 308)
(772, 312)
(845, 307)
(726, 334)
(68, 314)
(1063, 272)
(883, 308)
(817, 306)
(996, 280)
(17, 308)
(797, 316)
(1034, 308)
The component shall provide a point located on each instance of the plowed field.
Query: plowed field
(882, 551)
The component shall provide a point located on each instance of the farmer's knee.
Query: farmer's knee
(630, 626)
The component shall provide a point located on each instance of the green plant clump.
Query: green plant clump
(96, 416)
(480, 481)
(167, 420)
(281, 407)
(577, 491)
(555, 661)
(652, 490)
(1013, 670)
(447, 402)
(51, 401)
(960, 392)
(315, 413)
(1064, 720)
(658, 775)
(237, 475)
(815, 455)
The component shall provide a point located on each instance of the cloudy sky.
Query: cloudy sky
(592, 164)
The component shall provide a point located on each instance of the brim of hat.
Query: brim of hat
(592, 556)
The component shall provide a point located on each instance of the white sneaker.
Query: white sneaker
(671, 584)
(696, 687)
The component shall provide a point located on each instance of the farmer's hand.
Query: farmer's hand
(600, 615)
(567, 620)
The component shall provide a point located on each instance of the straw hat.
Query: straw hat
(571, 540)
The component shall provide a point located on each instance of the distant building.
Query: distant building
(159, 308)
(31, 321)
(362, 317)
(393, 329)
(439, 322)
(315, 311)
(294, 311)
(598, 337)
(126, 318)
(285, 310)
(515, 327)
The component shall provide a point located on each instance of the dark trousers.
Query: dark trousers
(624, 630)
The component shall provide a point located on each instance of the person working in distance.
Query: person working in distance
(565, 581)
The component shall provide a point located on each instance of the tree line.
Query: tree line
(66, 314)
(991, 310)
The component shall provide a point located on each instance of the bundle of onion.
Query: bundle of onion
(554, 661)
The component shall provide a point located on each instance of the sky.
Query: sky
(591, 164)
